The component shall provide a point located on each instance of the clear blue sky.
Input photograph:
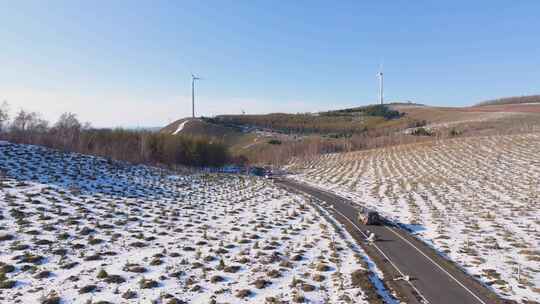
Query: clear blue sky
(128, 63)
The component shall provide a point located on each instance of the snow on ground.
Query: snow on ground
(476, 200)
(88, 230)
(180, 127)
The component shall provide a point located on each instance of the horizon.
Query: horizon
(128, 64)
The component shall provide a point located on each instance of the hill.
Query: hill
(475, 119)
(342, 122)
(241, 140)
(511, 100)
(275, 138)
(200, 127)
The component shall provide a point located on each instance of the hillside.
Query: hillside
(344, 122)
(272, 138)
(241, 140)
(475, 120)
(474, 199)
(275, 138)
(200, 127)
(81, 229)
(511, 100)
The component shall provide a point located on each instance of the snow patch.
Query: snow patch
(180, 127)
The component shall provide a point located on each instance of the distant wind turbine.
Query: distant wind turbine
(381, 85)
(193, 78)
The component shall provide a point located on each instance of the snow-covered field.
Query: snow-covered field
(81, 229)
(476, 200)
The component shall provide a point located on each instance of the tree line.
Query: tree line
(294, 123)
(136, 146)
(372, 110)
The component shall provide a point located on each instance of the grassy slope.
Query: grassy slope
(337, 123)
(235, 138)
(511, 100)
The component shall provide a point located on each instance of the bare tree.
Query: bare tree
(21, 121)
(28, 122)
(68, 129)
(4, 115)
(28, 126)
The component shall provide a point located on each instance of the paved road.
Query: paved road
(436, 280)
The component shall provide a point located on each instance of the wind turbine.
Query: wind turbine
(381, 85)
(193, 78)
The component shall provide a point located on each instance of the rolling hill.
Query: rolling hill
(272, 137)
(511, 100)
(275, 137)
(199, 127)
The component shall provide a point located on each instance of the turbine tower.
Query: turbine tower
(193, 78)
(381, 85)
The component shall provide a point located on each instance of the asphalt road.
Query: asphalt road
(433, 279)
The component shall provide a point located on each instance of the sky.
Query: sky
(129, 63)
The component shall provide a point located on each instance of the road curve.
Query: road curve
(433, 279)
